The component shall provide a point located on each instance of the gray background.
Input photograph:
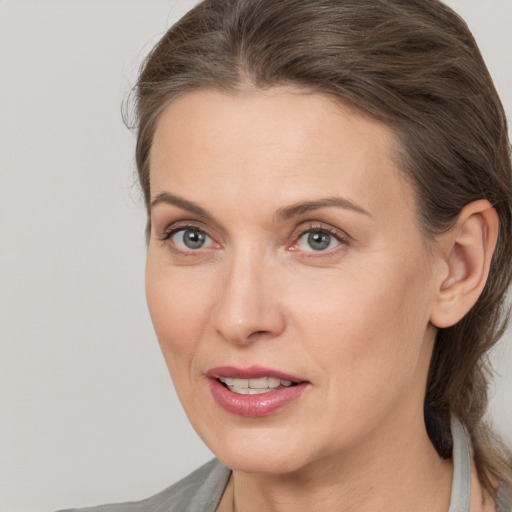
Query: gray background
(87, 410)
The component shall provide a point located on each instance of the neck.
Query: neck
(391, 471)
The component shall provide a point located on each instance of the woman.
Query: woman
(329, 236)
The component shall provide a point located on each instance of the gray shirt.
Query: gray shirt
(202, 490)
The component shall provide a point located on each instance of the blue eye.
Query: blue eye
(191, 239)
(317, 240)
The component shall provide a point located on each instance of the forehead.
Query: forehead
(281, 140)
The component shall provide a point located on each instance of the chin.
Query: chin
(262, 463)
(263, 452)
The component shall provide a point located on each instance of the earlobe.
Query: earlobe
(467, 253)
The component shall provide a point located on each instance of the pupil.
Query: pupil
(319, 241)
(194, 239)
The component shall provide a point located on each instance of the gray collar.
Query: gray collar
(461, 483)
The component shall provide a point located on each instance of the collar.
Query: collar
(461, 482)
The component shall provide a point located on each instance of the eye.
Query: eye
(318, 240)
(190, 239)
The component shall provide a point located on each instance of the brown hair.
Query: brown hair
(412, 64)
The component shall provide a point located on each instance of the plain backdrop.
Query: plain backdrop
(87, 411)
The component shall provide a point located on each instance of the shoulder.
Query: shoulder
(201, 490)
(504, 499)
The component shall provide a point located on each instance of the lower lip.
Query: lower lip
(254, 406)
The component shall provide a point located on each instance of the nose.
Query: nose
(248, 306)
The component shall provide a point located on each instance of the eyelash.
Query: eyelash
(171, 231)
(174, 247)
(340, 236)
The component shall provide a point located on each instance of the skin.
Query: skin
(354, 320)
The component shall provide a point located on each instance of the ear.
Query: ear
(467, 250)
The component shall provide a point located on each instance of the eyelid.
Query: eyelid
(175, 227)
(341, 236)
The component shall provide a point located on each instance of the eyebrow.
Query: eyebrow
(189, 206)
(307, 206)
(299, 208)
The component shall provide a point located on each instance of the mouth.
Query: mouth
(255, 391)
(255, 386)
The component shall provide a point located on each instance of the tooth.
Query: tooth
(248, 391)
(240, 383)
(273, 382)
(254, 386)
(258, 383)
(240, 391)
(258, 391)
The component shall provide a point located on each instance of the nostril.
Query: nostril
(256, 335)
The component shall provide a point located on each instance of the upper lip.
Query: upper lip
(252, 372)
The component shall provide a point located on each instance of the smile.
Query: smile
(255, 386)
(254, 392)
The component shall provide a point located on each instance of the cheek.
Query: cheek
(372, 357)
(368, 324)
(177, 305)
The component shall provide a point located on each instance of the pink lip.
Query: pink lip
(253, 372)
(253, 406)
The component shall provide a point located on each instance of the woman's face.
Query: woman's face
(285, 248)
